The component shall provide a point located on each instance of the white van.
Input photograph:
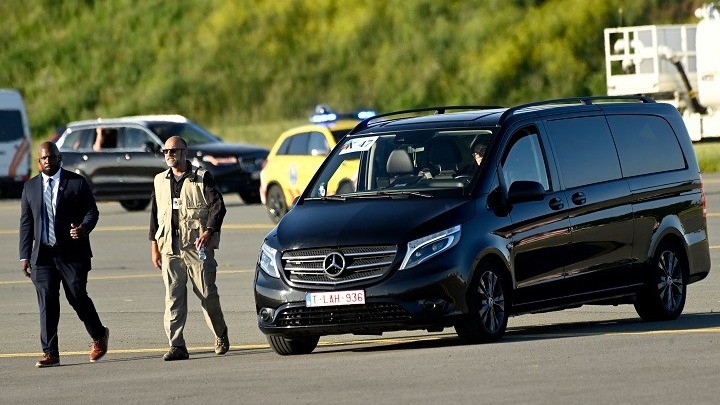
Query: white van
(14, 142)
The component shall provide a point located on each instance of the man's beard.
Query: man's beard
(172, 162)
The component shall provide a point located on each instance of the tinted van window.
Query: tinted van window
(584, 150)
(525, 161)
(645, 135)
(11, 126)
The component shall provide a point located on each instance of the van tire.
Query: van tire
(487, 316)
(275, 203)
(289, 347)
(135, 205)
(662, 298)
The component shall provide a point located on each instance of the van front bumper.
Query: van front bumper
(410, 299)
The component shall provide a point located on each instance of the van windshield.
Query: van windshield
(422, 163)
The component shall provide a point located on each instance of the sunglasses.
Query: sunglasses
(172, 150)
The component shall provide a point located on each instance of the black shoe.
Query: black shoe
(177, 353)
(222, 344)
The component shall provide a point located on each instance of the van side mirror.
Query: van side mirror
(523, 191)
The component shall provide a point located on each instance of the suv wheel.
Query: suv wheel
(487, 318)
(276, 206)
(250, 197)
(285, 346)
(135, 205)
(663, 296)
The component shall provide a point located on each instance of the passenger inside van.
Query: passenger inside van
(105, 138)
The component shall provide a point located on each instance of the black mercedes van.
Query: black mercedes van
(463, 216)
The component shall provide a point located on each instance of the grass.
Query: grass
(708, 155)
(263, 134)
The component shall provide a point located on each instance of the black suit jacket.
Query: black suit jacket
(75, 205)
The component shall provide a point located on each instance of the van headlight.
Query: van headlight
(267, 261)
(424, 248)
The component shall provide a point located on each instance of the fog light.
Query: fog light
(428, 306)
(266, 314)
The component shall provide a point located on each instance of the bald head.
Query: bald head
(175, 151)
(49, 158)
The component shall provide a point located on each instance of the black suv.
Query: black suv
(462, 217)
(121, 156)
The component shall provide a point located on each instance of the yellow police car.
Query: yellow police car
(298, 153)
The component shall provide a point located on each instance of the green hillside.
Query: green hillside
(254, 66)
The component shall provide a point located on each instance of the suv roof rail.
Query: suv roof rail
(438, 110)
(572, 100)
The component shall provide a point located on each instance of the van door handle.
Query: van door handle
(556, 203)
(578, 198)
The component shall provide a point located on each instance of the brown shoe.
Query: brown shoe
(222, 344)
(99, 347)
(48, 360)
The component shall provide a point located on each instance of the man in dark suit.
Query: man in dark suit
(58, 213)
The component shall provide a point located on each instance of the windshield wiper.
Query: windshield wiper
(391, 194)
(333, 197)
(371, 194)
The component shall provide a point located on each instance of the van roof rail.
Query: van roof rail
(437, 110)
(573, 100)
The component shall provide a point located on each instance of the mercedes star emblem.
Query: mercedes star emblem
(334, 264)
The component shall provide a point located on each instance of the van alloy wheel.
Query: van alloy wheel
(663, 297)
(487, 318)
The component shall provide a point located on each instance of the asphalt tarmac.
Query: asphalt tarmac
(592, 354)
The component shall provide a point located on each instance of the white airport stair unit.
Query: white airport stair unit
(677, 64)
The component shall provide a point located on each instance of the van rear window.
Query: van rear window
(11, 127)
(646, 144)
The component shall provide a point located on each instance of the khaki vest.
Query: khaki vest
(192, 214)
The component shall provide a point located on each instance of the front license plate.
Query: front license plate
(323, 299)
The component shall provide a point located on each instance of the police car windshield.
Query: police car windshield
(429, 162)
(192, 133)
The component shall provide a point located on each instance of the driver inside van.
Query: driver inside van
(478, 151)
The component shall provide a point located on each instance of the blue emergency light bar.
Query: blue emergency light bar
(324, 115)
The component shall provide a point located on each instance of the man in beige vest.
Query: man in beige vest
(187, 213)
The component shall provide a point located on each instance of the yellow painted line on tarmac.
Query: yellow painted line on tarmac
(667, 332)
(132, 351)
(123, 277)
(382, 341)
(145, 228)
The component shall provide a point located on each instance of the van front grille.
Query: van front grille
(353, 263)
